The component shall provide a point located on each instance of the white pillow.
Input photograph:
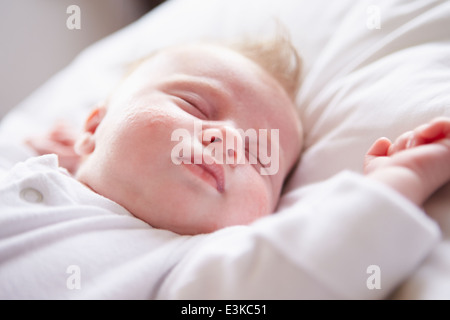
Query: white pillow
(371, 69)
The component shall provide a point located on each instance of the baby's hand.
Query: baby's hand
(416, 164)
(60, 141)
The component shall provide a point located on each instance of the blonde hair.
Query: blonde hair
(276, 55)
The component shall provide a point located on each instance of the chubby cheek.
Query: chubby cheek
(132, 147)
(145, 136)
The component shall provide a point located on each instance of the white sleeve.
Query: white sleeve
(347, 238)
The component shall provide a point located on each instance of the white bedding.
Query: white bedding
(359, 83)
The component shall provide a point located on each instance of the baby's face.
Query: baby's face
(164, 148)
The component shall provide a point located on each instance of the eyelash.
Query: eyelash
(195, 106)
(247, 155)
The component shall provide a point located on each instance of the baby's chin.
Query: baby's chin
(189, 227)
(186, 229)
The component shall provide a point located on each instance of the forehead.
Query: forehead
(230, 71)
(225, 71)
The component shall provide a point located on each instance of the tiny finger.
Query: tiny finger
(435, 130)
(401, 143)
(379, 148)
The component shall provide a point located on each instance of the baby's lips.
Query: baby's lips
(217, 172)
(216, 169)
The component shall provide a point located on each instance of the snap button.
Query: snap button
(31, 195)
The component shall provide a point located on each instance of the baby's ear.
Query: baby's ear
(93, 120)
(85, 144)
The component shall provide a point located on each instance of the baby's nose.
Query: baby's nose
(213, 135)
(225, 141)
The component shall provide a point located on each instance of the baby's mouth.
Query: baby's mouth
(208, 171)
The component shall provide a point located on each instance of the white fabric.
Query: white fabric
(322, 249)
(360, 83)
(118, 256)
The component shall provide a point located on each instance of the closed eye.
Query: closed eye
(254, 160)
(191, 108)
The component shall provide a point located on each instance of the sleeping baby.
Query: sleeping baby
(202, 136)
(196, 138)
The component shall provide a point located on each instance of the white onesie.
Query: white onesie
(347, 238)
